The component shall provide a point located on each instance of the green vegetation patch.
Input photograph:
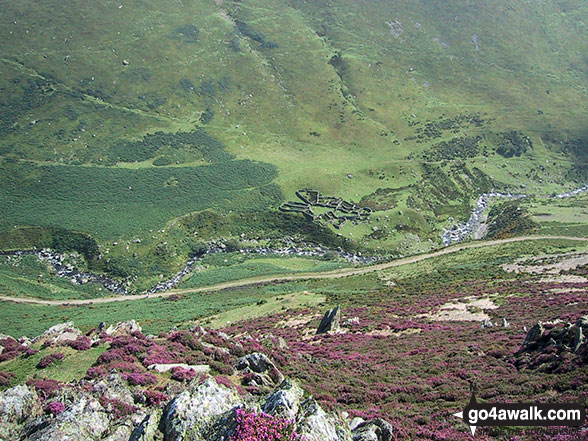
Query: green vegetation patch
(113, 202)
(153, 314)
(27, 276)
(509, 219)
(209, 148)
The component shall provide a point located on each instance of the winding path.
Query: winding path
(345, 272)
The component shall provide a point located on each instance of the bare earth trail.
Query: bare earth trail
(345, 272)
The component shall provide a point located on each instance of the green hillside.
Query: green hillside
(184, 122)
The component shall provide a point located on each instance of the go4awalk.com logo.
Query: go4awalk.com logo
(521, 414)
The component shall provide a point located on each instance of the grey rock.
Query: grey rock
(285, 400)
(17, 405)
(373, 430)
(578, 338)
(534, 333)
(258, 363)
(120, 433)
(355, 422)
(123, 328)
(114, 387)
(146, 429)
(198, 368)
(330, 321)
(314, 424)
(84, 420)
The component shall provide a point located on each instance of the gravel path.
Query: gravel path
(278, 279)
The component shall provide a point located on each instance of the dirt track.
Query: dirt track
(345, 272)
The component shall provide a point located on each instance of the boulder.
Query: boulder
(266, 373)
(284, 401)
(114, 387)
(330, 321)
(314, 424)
(122, 432)
(373, 430)
(146, 429)
(534, 334)
(191, 413)
(60, 333)
(16, 406)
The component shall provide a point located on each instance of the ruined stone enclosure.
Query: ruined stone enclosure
(338, 211)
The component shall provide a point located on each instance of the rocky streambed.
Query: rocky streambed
(459, 232)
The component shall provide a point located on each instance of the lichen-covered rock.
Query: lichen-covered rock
(123, 328)
(189, 415)
(314, 424)
(115, 388)
(285, 400)
(84, 420)
(373, 430)
(16, 406)
(60, 333)
(147, 429)
(122, 432)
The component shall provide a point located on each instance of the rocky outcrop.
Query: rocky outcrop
(17, 405)
(314, 424)
(554, 347)
(60, 333)
(258, 370)
(123, 328)
(285, 400)
(330, 321)
(108, 409)
(86, 419)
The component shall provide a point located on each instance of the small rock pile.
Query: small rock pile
(555, 346)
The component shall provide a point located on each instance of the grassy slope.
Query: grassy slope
(319, 90)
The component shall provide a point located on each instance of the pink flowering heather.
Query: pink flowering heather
(54, 408)
(155, 398)
(96, 372)
(12, 349)
(138, 379)
(50, 359)
(44, 387)
(5, 378)
(80, 344)
(263, 427)
(117, 408)
(181, 374)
